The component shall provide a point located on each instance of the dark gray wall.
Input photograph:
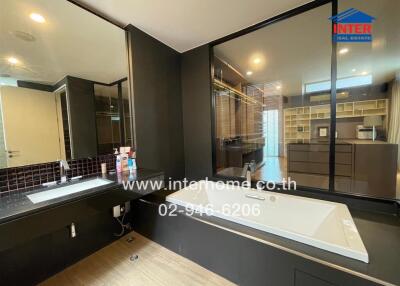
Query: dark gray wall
(82, 116)
(158, 105)
(196, 103)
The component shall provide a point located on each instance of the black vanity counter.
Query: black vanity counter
(16, 204)
(379, 232)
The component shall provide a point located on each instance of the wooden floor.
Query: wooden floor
(155, 265)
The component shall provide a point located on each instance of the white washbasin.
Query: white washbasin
(67, 190)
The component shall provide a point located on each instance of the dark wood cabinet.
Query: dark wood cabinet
(308, 165)
(361, 167)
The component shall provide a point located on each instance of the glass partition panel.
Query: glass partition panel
(272, 103)
(368, 103)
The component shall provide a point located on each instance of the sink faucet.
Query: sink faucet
(246, 173)
(63, 167)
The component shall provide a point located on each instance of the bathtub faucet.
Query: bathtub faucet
(246, 173)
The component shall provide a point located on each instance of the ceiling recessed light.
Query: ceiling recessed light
(249, 73)
(37, 18)
(343, 51)
(257, 60)
(364, 73)
(353, 70)
(12, 60)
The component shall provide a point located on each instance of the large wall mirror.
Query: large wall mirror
(64, 89)
(272, 92)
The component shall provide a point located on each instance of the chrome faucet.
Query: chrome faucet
(246, 173)
(63, 167)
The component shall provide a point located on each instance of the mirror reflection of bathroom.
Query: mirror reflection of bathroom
(112, 116)
(63, 91)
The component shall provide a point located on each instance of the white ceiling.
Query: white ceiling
(186, 24)
(72, 41)
(298, 50)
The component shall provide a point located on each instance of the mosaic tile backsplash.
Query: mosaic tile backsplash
(31, 176)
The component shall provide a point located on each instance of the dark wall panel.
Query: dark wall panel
(83, 119)
(158, 104)
(196, 101)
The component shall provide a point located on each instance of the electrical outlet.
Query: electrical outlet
(117, 211)
(121, 209)
(72, 230)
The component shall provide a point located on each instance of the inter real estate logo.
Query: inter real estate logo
(352, 25)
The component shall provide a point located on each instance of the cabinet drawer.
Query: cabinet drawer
(347, 148)
(309, 147)
(343, 170)
(319, 168)
(342, 148)
(344, 158)
(311, 168)
(316, 157)
(343, 184)
(319, 157)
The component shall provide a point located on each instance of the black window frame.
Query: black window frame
(332, 141)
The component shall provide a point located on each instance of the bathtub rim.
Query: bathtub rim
(343, 211)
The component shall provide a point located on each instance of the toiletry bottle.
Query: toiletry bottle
(134, 166)
(117, 161)
(130, 165)
(118, 166)
(124, 159)
(124, 162)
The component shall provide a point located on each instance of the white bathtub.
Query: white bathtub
(318, 223)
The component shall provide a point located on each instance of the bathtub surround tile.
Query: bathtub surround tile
(31, 176)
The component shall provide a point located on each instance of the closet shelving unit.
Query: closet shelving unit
(245, 121)
(243, 97)
(297, 120)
